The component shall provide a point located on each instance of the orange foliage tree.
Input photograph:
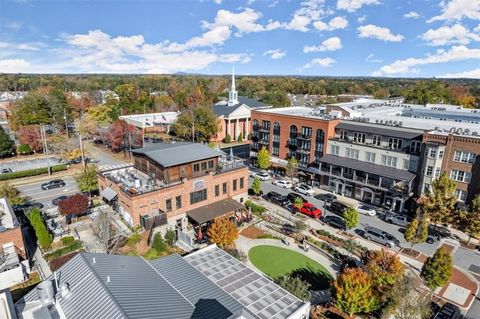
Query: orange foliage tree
(384, 267)
(223, 232)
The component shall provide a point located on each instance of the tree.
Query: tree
(201, 119)
(384, 267)
(350, 215)
(292, 167)
(121, 135)
(256, 186)
(24, 149)
(223, 232)
(170, 237)
(7, 146)
(438, 204)
(263, 158)
(158, 243)
(438, 269)
(227, 139)
(108, 239)
(44, 237)
(74, 205)
(298, 202)
(30, 135)
(240, 138)
(11, 193)
(300, 226)
(353, 292)
(469, 221)
(294, 285)
(417, 231)
(87, 181)
(67, 148)
(33, 109)
(80, 102)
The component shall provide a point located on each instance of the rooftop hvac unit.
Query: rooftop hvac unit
(45, 292)
(400, 123)
(475, 133)
(138, 183)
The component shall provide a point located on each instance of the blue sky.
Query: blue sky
(395, 38)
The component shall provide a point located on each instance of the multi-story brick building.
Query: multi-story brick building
(176, 183)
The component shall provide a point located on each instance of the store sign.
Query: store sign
(198, 184)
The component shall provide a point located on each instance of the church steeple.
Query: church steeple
(232, 94)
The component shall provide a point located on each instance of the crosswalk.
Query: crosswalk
(112, 167)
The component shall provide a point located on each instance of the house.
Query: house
(206, 284)
(152, 122)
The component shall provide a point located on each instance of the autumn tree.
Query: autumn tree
(223, 232)
(80, 103)
(11, 193)
(294, 285)
(350, 215)
(384, 267)
(263, 158)
(438, 269)
(87, 180)
(122, 135)
(256, 186)
(7, 146)
(468, 221)
(438, 204)
(200, 121)
(74, 205)
(30, 135)
(292, 167)
(353, 292)
(66, 148)
(417, 231)
(33, 109)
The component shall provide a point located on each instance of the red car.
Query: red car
(309, 210)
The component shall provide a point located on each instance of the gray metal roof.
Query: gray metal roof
(210, 211)
(368, 167)
(171, 154)
(257, 293)
(222, 108)
(404, 133)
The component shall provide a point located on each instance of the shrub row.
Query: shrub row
(32, 172)
(75, 245)
(348, 244)
(256, 209)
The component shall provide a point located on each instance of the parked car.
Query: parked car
(55, 183)
(292, 196)
(57, 200)
(433, 236)
(335, 222)
(366, 210)
(381, 237)
(283, 183)
(338, 208)
(28, 205)
(398, 220)
(309, 210)
(263, 176)
(304, 189)
(326, 197)
(278, 199)
(6, 170)
(448, 311)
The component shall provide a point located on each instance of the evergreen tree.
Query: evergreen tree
(256, 186)
(263, 158)
(170, 237)
(240, 138)
(44, 237)
(227, 139)
(438, 269)
(7, 147)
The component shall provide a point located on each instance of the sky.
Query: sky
(387, 38)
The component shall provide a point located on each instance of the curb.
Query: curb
(44, 177)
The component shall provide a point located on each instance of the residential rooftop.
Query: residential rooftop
(151, 119)
(8, 219)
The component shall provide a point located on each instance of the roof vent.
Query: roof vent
(45, 292)
(108, 278)
(64, 289)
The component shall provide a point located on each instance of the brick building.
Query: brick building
(178, 183)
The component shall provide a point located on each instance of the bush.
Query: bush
(32, 172)
(268, 236)
(256, 209)
(158, 243)
(240, 138)
(67, 240)
(349, 245)
(227, 138)
(152, 253)
(75, 245)
(24, 149)
(133, 240)
(170, 237)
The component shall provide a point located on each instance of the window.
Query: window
(168, 205)
(460, 176)
(426, 188)
(334, 149)
(198, 196)
(389, 161)
(406, 164)
(377, 140)
(225, 190)
(217, 190)
(266, 125)
(178, 201)
(437, 172)
(464, 157)
(432, 152)
(275, 150)
(234, 185)
(440, 154)
(204, 166)
(429, 171)
(370, 157)
(343, 135)
(461, 195)
(306, 131)
(196, 167)
(394, 143)
(351, 153)
(415, 146)
(210, 164)
(359, 137)
(242, 182)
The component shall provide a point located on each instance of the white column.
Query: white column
(237, 128)
(228, 128)
(247, 127)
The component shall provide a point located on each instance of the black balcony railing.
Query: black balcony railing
(304, 137)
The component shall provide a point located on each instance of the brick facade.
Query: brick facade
(15, 236)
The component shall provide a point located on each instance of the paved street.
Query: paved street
(23, 164)
(35, 193)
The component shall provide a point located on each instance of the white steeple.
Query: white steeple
(232, 94)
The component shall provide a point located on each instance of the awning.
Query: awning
(208, 212)
(109, 194)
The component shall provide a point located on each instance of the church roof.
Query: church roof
(222, 107)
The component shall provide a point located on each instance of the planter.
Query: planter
(410, 252)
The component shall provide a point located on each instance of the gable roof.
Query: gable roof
(171, 154)
(222, 108)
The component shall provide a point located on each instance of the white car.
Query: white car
(283, 183)
(263, 176)
(366, 210)
(304, 189)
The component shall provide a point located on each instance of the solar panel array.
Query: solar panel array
(257, 293)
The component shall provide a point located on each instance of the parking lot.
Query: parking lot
(22, 165)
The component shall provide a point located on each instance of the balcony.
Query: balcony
(303, 151)
(264, 142)
(263, 130)
(304, 137)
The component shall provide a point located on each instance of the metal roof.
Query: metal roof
(257, 293)
(368, 167)
(222, 108)
(109, 193)
(380, 130)
(208, 212)
(171, 154)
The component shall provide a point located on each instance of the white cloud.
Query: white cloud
(380, 33)
(456, 34)
(334, 24)
(477, 28)
(456, 53)
(275, 54)
(216, 36)
(370, 58)
(235, 58)
(323, 62)
(298, 23)
(411, 15)
(331, 44)
(218, 1)
(24, 46)
(472, 74)
(14, 66)
(362, 19)
(354, 5)
(245, 21)
(458, 9)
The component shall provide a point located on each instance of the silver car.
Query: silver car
(381, 237)
(398, 220)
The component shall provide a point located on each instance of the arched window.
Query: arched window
(293, 131)
(255, 124)
(276, 128)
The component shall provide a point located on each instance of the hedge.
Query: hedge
(75, 245)
(32, 172)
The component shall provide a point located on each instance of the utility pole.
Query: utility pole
(42, 130)
(193, 131)
(66, 122)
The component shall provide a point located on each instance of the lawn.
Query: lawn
(277, 261)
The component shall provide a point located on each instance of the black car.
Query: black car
(326, 197)
(448, 311)
(292, 196)
(57, 200)
(335, 222)
(55, 183)
(277, 198)
(337, 208)
(6, 170)
(28, 205)
(432, 236)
